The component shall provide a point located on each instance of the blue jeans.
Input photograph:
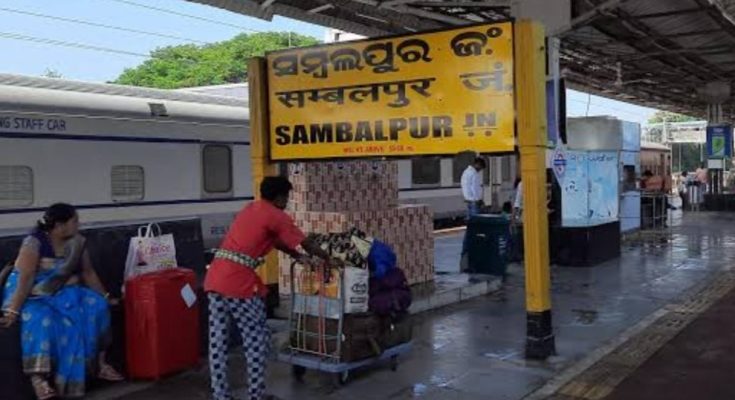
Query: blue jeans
(473, 209)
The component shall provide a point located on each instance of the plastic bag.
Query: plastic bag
(362, 244)
(381, 259)
(148, 252)
(356, 290)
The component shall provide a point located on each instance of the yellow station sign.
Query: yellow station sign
(427, 94)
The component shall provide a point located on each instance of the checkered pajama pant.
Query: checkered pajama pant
(250, 317)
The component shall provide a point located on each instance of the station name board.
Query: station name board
(438, 93)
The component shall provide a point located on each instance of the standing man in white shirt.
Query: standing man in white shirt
(472, 191)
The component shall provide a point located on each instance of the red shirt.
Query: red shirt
(255, 232)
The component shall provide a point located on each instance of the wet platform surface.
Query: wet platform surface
(696, 364)
(474, 350)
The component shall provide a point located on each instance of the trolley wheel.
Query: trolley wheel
(298, 372)
(394, 363)
(341, 378)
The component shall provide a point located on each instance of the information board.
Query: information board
(719, 141)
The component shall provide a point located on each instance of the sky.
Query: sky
(22, 54)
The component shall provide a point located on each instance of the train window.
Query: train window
(461, 162)
(16, 186)
(217, 168)
(128, 183)
(426, 171)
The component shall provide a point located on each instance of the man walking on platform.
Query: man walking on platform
(472, 191)
(234, 290)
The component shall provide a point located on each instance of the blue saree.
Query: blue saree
(63, 327)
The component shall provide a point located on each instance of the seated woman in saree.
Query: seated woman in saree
(61, 306)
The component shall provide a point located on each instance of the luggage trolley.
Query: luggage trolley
(316, 326)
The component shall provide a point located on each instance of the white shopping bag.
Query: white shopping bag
(356, 290)
(148, 252)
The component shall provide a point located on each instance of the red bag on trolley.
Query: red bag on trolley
(161, 323)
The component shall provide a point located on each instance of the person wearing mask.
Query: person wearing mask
(472, 191)
(235, 291)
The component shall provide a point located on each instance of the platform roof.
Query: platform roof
(656, 53)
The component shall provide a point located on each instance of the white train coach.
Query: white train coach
(126, 155)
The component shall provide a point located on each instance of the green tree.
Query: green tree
(218, 63)
(686, 156)
(660, 116)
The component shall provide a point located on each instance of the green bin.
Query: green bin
(489, 245)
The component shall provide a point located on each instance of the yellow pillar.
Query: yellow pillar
(530, 62)
(259, 143)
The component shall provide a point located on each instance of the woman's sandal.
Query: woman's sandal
(42, 388)
(108, 373)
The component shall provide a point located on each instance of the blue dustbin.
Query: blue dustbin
(488, 251)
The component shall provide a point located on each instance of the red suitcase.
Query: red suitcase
(161, 330)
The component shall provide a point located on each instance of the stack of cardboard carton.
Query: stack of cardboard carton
(344, 186)
(336, 196)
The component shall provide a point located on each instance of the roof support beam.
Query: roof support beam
(674, 72)
(464, 4)
(654, 97)
(431, 15)
(332, 21)
(589, 17)
(669, 13)
(245, 7)
(721, 18)
(642, 37)
(392, 3)
(319, 9)
(692, 33)
(397, 20)
(710, 50)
